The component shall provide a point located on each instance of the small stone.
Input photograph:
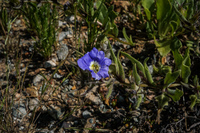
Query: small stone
(62, 52)
(150, 69)
(19, 110)
(17, 22)
(66, 125)
(91, 120)
(65, 34)
(86, 114)
(70, 19)
(33, 103)
(55, 111)
(49, 64)
(32, 91)
(38, 78)
(57, 76)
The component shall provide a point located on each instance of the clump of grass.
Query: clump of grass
(41, 21)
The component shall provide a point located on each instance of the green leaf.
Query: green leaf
(163, 8)
(121, 70)
(136, 75)
(163, 46)
(171, 78)
(134, 61)
(185, 68)
(175, 94)
(114, 58)
(147, 73)
(129, 40)
(147, 4)
(155, 69)
(196, 81)
(162, 100)
(193, 99)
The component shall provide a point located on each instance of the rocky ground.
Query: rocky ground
(52, 96)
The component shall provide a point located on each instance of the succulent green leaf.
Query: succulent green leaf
(155, 69)
(171, 78)
(196, 81)
(175, 94)
(114, 59)
(163, 8)
(162, 100)
(147, 4)
(134, 61)
(163, 46)
(129, 40)
(147, 73)
(185, 68)
(136, 75)
(193, 99)
(110, 89)
(121, 70)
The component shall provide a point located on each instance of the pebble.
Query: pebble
(65, 34)
(62, 52)
(49, 64)
(66, 125)
(17, 22)
(150, 67)
(57, 76)
(55, 111)
(19, 110)
(33, 103)
(38, 78)
(70, 19)
(86, 114)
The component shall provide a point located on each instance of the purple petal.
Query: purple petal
(84, 62)
(106, 62)
(96, 76)
(93, 53)
(87, 59)
(103, 72)
(100, 56)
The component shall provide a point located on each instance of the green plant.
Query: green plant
(100, 21)
(42, 21)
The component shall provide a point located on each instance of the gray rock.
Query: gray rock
(66, 125)
(49, 64)
(65, 34)
(60, 23)
(55, 111)
(150, 67)
(33, 103)
(91, 120)
(57, 76)
(38, 78)
(19, 110)
(17, 22)
(70, 19)
(86, 114)
(62, 52)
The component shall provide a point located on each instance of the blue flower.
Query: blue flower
(96, 62)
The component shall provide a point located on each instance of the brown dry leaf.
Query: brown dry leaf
(163, 60)
(39, 70)
(107, 101)
(32, 91)
(74, 87)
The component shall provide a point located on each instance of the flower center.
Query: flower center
(94, 66)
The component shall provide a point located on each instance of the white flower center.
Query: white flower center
(94, 66)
